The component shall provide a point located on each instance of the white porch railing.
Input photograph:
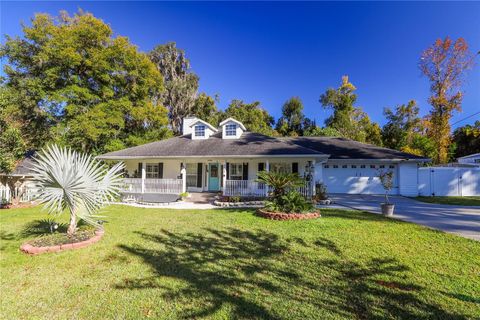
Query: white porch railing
(252, 188)
(26, 193)
(166, 186)
(244, 188)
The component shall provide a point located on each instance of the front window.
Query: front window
(152, 171)
(192, 169)
(281, 167)
(231, 130)
(236, 171)
(200, 131)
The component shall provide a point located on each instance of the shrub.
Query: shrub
(291, 202)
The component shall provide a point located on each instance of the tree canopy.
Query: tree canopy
(181, 83)
(467, 139)
(405, 130)
(251, 115)
(350, 121)
(444, 64)
(205, 108)
(86, 88)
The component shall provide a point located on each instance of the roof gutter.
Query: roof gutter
(317, 156)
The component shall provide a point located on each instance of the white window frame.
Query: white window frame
(236, 171)
(192, 172)
(152, 171)
(200, 130)
(231, 130)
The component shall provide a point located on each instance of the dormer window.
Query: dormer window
(231, 130)
(200, 131)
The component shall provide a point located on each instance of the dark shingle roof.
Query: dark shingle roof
(23, 167)
(341, 148)
(249, 144)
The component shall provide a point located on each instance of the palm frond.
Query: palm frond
(68, 180)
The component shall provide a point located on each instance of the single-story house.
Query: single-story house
(471, 159)
(18, 182)
(227, 159)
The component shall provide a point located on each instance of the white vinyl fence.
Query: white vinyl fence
(448, 181)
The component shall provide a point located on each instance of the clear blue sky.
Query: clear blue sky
(270, 51)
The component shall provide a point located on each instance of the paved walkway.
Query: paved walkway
(461, 220)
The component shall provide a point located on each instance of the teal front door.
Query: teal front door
(213, 177)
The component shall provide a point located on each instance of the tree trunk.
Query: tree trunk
(72, 227)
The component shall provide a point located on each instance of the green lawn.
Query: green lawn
(167, 264)
(458, 201)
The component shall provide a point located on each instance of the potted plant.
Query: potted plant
(321, 196)
(386, 178)
(184, 195)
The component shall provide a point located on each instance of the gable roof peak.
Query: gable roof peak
(232, 120)
(205, 123)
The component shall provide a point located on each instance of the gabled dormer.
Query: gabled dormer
(231, 128)
(201, 129)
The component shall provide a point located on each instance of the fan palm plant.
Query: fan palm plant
(72, 181)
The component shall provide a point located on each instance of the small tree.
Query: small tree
(75, 182)
(386, 178)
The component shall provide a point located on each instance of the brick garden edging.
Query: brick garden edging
(28, 248)
(287, 216)
(242, 204)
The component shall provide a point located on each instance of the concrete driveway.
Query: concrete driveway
(461, 220)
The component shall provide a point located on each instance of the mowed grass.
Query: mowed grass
(458, 201)
(231, 264)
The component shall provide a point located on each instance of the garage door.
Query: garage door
(357, 178)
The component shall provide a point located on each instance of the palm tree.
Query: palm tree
(279, 182)
(68, 180)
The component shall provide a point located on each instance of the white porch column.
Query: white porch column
(183, 172)
(224, 176)
(313, 178)
(267, 168)
(144, 175)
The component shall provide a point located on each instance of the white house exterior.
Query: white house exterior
(227, 159)
(473, 159)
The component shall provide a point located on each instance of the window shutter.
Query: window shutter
(139, 169)
(199, 175)
(245, 171)
(295, 167)
(228, 171)
(160, 170)
(261, 166)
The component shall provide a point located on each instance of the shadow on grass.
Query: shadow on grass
(237, 270)
(41, 228)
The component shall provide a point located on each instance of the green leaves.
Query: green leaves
(92, 85)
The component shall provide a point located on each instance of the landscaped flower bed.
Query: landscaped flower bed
(62, 241)
(287, 216)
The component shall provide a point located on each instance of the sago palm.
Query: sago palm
(70, 181)
(279, 182)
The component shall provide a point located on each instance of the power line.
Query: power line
(466, 118)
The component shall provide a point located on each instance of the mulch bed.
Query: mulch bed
(287, 216)
(61, 242)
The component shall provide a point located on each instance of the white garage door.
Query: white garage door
(357, 178)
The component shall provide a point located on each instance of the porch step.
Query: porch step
(201, 197)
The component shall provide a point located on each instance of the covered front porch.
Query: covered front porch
(230, 176)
